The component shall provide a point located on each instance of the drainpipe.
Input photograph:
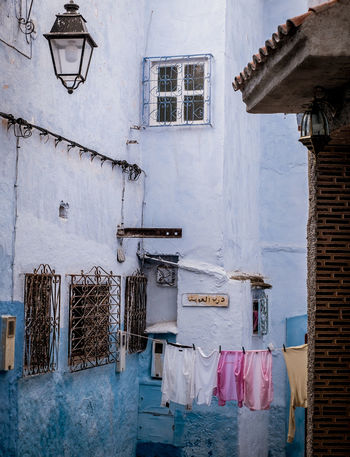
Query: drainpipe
(15, 217)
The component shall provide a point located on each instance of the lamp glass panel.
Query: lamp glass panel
(67, 55)
(305, 124)
(318, 123)
(86, 59)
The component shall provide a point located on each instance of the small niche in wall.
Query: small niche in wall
(63, 210)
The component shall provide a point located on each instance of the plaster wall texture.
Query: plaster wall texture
(161, 300)
(8, 387)
(252, 228)
(232, 237)
(92, 412)
(283, 216)
(205, 179)
(187, 161)
(7, 211)
(281, 192)
(201, 432)
(241, 147)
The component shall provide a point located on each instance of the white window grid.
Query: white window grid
(193, 104)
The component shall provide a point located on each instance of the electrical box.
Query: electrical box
(120, 366)
(7, 350)
(158, 348)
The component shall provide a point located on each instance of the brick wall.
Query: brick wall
(331, 421)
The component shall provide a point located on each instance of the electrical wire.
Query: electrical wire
(15, 217)
(239, 349)
(16, 49)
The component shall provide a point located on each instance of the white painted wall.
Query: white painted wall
(99, 115)
(245, 208)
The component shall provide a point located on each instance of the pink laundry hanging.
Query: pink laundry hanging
(230, 377)
(258, 387)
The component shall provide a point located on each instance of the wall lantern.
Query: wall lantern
(71, 47)
(314, 128)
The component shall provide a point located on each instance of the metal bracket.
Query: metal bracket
(149, 232)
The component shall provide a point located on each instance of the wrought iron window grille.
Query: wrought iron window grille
(94, 319)
(42, 291)
(177, 90)
(166, 275)
(260, 312)
(135, 311)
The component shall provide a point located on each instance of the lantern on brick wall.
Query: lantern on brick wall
(71, 47)
(314, 128)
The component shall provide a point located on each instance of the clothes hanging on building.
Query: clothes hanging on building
(296, 363)
(178, 379)
(205, 376)
(258, 387)
(230, 377)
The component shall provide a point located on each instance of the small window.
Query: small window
(135, 312)
(260, 312)
(177, 90)
(42, 292)
(94, 319)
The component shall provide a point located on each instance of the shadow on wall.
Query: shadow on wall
(157, 450)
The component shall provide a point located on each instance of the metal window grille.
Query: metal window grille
(260, 312)
(42, 291)
(166, 275)
(94, 319)
(177, 90)
(135, 311)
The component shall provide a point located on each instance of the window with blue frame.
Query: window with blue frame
(260, 310)
(176, 90)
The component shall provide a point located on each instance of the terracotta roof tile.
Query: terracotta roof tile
(284, 31)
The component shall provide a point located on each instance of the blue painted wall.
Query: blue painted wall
(204, 431)
(9, 386)
(90, 413)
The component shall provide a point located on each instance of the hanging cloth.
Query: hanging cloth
(178, 379)
(205, 376)
(230, 377)
(258, 387)
(296, 362)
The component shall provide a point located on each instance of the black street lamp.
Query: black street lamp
(71, 47)
(314, 128)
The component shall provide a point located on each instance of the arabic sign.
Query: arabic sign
(205, 300)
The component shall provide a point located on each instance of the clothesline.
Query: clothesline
(234, 375)
(159, 340)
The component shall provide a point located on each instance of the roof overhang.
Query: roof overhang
(308, 51)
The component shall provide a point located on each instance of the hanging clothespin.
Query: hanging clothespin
(243, 349)
(268, 349)
(220, 349)
(194, 347)
(284, 348)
